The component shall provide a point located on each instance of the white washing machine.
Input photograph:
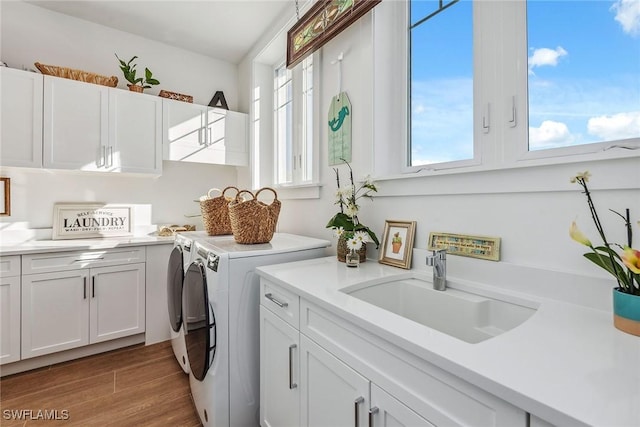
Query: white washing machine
(222, 329)
(179, 261)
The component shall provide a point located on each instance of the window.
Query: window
(293, 123)
(498, 83)
(441, 69)
(583, 75)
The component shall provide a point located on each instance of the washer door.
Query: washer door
(175, 280)
(199, 321)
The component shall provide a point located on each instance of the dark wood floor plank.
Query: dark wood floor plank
(64, 396)
(136, 386)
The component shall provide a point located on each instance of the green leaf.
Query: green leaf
(147, 74)
(153, 82)
(341, 220)
(604, 261)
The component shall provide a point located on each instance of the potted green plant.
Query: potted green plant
(352, 235)
(624, 266)
(137, 84)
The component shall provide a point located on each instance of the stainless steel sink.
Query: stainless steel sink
(467, 316)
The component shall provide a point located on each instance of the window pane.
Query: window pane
(584, 72)
(441, 82)
(307, 120)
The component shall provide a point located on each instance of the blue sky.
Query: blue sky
(584, 76)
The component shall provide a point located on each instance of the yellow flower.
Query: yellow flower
(631, 258)
(578, 235)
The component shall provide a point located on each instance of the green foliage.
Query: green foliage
(129, 71)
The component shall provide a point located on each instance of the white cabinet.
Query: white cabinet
(339, 374)
(76, 119)
(84, 298)
(279, 373)
(21, 118)
(95, 128)
(135, 132)
(332, 394)
(201, 134)
(9, 309)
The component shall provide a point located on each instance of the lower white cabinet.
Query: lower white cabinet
(9, 309)
(279, 373)
(332, 394)
(62, 310)
(318, 369)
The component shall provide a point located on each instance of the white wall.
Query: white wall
(29, 34)
(529, 208)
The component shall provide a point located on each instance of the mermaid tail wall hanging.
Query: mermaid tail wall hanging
(339, 129)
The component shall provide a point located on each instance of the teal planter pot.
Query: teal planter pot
(626, 312)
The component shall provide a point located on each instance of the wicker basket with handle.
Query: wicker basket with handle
(253, 221)
(215, 212)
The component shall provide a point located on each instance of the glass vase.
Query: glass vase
(352, 258)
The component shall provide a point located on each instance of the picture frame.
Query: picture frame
(91, 220)
(322, 22)
(5, 187)
(397, 243)
(481, 247)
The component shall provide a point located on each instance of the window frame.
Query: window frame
(503, 147)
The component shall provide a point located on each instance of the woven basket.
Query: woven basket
(79, 75)
(253, 221)
(215, 213)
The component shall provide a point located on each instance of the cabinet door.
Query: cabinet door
(9, 319)
(135, 132)
(75, 124)
(21, 126)
(117, 302)
(227, 141)
(387, 411)
(279, 374)
(331, 393)
(184, 131)
(55, 312)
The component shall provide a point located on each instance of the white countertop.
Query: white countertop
(39, 246)
(567, 364)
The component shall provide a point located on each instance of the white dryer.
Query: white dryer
(222, 329)
(179, 261)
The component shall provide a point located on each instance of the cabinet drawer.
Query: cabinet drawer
(10, 266)
(281, 302)
(434, 394)
(62, 261)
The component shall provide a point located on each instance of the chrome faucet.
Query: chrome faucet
(439, 263)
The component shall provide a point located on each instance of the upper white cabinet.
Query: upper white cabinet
(201, 134)
(21, 118)
(96, 128)
(76, 118)
(135, 132)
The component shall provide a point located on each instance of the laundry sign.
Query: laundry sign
(81, 221)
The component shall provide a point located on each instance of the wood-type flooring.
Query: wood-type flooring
(136, 386)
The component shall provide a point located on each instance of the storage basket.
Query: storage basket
(253, 221)
(174, 95)
(79, 75)
(215, 212)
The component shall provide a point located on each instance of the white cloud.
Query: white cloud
(550, 134)
(615, 127)
(545, 57)
(628, 15)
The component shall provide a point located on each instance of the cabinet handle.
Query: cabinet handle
(84, 287)
(356, 405)
(372, 412)
(292, 385)
(93, 286)
(103, 155)
(280, 304)
(110, 157)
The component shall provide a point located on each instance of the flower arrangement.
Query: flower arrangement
(604, 256)
(345, 223)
